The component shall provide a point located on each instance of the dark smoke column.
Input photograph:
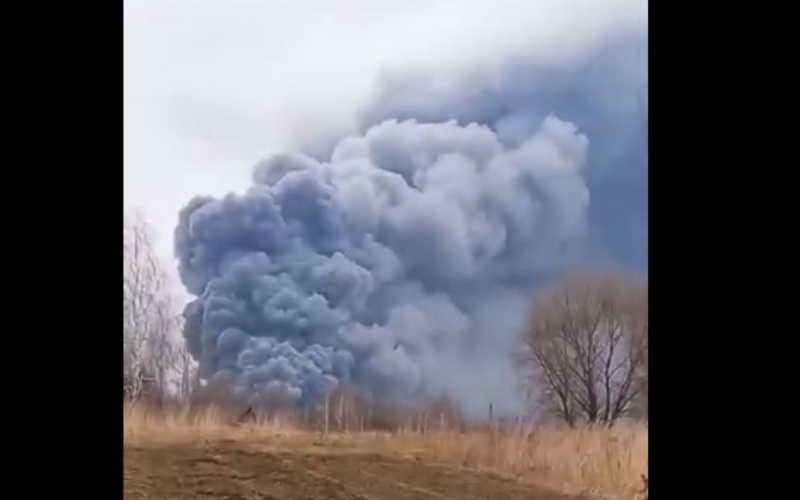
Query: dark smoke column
(381, 266)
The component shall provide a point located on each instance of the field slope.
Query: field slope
(229, 470)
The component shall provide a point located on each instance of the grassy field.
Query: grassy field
(178, 456)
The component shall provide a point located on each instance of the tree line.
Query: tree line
(582, 357)
(155, 363)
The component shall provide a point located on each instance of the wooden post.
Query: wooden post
(327, 403)
(369, 410)
(341, 411)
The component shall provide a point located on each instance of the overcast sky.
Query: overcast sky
(211, 87)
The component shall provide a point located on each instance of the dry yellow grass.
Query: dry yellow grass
(602, 462)
(584, 460)
(144, 425)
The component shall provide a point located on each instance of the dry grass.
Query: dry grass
(144, 425)
(602, 462)
(596, 461)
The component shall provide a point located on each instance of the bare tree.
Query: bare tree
(187, 372)
(148, 318)
(585, 347)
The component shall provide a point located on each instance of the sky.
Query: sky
(213, 87)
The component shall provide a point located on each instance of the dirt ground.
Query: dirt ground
(227, 470)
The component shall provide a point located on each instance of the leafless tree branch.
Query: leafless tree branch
(586, 340)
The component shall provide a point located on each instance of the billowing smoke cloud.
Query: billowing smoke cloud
(604, 93)
(387, 266)
(401, 258)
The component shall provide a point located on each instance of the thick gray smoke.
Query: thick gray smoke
(402, 258)
(604, 93)
(400, 265)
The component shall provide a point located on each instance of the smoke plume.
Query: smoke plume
(401, 258)
(604, 93)
(372, 267)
